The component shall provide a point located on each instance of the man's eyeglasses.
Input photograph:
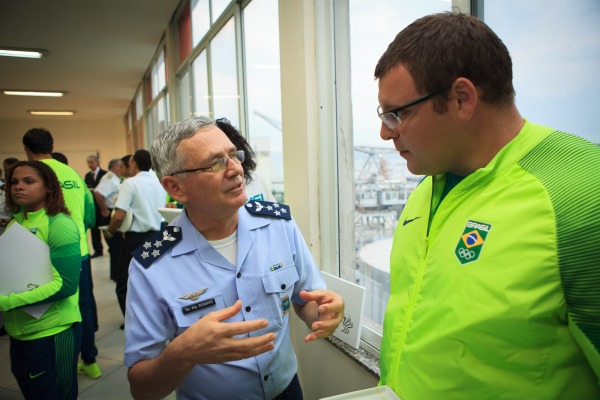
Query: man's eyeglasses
(237, 156)
(391, 118)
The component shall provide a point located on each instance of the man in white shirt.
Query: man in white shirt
(106, 196)
(141, 195)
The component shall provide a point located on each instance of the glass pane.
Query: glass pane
(161, 107)
(200, 77)
(224, 74)
(158, 75)
(162, 71)
(382, 181)
(200, 20)
(218, 6)
(151, 125)
(263, 85)
(185, 99)
(139, 107)
(556, 59)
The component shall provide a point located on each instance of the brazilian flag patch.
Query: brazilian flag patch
(471, 241)
(285, 304)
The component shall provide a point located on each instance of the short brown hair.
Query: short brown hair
(439, 48)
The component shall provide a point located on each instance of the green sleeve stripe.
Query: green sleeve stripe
(65, 255)
(574, 190)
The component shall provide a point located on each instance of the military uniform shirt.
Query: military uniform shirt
(192, 279)
(142, 195)
(108, 187)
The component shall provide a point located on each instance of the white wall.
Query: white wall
(76, 139)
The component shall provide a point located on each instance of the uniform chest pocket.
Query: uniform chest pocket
(279, 287)
(191, 311)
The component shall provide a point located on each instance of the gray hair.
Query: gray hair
(113, 162)
(165, 157)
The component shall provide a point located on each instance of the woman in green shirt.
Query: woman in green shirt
(44, 350)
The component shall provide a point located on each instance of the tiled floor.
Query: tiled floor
(113, 383)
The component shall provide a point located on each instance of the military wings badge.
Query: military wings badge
(194, 296)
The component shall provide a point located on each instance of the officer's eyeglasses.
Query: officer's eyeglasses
(237, 156)
(391, 119)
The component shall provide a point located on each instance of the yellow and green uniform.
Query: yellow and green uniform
(62, 236)
(497, 295)
(78, 199)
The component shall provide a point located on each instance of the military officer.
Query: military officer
(220, 282)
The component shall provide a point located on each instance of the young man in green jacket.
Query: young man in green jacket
(495, 278)
(38, 144)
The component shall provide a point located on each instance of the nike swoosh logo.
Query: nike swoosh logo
(36, 375)
(408, 221)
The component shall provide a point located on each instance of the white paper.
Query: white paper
(169, 214)
(377, 393)
(24, 264)
(354, 302)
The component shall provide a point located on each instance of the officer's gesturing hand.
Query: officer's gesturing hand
(323, 312)
(212, 341)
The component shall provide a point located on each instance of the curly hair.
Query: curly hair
(240, 143)
(55, 202)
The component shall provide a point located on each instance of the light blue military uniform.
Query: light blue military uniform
(178, 277)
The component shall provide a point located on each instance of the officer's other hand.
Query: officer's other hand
(212, 341)
(330, 307)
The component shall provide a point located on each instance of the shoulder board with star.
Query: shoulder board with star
(269, 209)
(157, 245)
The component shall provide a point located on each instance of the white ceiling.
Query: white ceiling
(98, 53)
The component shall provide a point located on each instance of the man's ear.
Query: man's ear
(466, 97)
(173, 186)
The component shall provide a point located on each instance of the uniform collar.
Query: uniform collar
(188, 244)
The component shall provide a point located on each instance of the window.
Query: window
(201, 95)
(200, 20)
(217, 8)
(263, 90)
(223, 66)
(158, 110)
(185, 97)
(221, 83)
(556, 59)
(159, 75)
(381, 180)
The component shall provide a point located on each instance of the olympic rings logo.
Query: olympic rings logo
(466, 254)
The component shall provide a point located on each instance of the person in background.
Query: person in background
(92, 178)
(141, 195)
(125, 171)
(7, 163)
(256, 187)
(38, 144)
(60, 157)
(43, 352)
(4, 216)
(495, 278)
(105, 194)
(219, 282)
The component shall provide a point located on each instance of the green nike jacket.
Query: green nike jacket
(497, 296)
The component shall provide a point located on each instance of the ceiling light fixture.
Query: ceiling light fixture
(41, 112)
(33, 93)
(23, 53)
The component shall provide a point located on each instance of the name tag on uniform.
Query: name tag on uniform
(198, 306)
